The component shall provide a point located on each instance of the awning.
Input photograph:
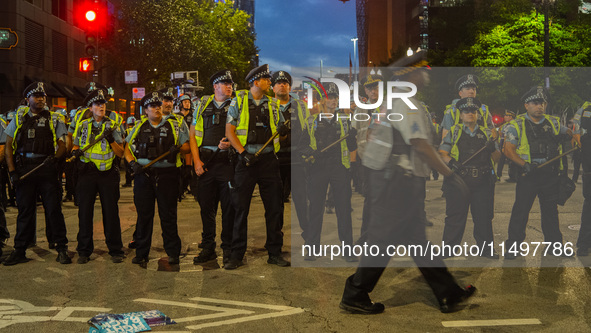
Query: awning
(49, 89)
(65, 90)
(5, 86)
(81, 91)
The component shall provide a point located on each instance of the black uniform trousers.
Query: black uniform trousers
(322, 173)
(584, 240)
(577, 161)
(480, 202)
(364, 176)
(513, 168)
(42, 182)
(213, 188)
(299, 195)
(106, 183)
(543, 184)
(285, 172)
(265, 173)
(128, 171)
(157, 186)
(395, 220)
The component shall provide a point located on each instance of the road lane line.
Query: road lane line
(193, 305)
(238, 303)
(250, 318)
(491, 322)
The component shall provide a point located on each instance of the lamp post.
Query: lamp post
(354, 40)
(546, 4)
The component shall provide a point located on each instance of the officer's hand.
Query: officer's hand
(224, 144)
(491, 146)
(283, 130)
(76, 153)
(352, 132)
(529, 168)
(308, 154)
(14, 178)
(136, 167)
(454, 165)
(174, 150)
(455, 181)
(199, 169)
(109, 136)
(248, 159)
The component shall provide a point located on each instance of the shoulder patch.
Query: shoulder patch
(586, 114)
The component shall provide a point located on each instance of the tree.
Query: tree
(180, 35)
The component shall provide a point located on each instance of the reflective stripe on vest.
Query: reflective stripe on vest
(345, 156)
(455, 114)
(242, 128)
(199, 120)
(455, 152)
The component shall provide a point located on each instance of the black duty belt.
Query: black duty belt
(475, 172)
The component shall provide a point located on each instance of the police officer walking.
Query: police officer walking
(36, 138)
(400, 155)
(469, 149)
(101, 139)
(214, 166)
(331, 168)
(530, 140)
(253, 120)
(186, 113)
(582, 135)
(151, 138)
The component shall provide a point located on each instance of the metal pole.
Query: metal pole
(546, 43)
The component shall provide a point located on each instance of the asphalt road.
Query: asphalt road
(44, 296)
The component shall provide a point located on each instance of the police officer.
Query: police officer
(296, 145)
(400, 155)
(438, 138)
(213, 165)
(582, 121)
(98, 174)
(36, 137)
(466, 86)
(185, 112)
(331, 168)
(462, 149)
(253, 119)
(530, 140)
(509, 115)
(128, 172)
(4, 234)
(152, 137)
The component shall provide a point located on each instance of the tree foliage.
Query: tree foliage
(158, 37)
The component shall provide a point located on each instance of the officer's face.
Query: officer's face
(535, 109)
(282, 88)
(507, 118)
(469, 116)
(373, 92)
(98, 109)
(154, 112)
(37, 101)
(167, 106)
(468, 91)
(263, 83)
(186, 104)
(332, 101)
(223, 88)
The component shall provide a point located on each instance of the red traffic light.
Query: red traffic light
(90, 15)
(86, 64)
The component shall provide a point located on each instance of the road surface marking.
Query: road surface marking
(491, 322)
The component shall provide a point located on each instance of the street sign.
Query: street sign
(138, 93)
(130, 77)
(178, 75)
(8, 38)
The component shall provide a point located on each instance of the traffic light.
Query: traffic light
(86, 64)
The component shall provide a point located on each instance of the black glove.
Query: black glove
(352, 132)
(76, 153)
(248, 159)
(109, 136)
(454, 165)
(174, 150)
(307, 152)
(14, 177)
(136, 167)
(458, 184)
(283, 130)
(491, 146)
(529, 168)
(352, 140)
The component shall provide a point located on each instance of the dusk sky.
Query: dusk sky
(300, 33)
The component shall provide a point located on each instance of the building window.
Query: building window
(34, 44)
(59, 8)
(59, 52)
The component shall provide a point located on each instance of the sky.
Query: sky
(299, 33)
